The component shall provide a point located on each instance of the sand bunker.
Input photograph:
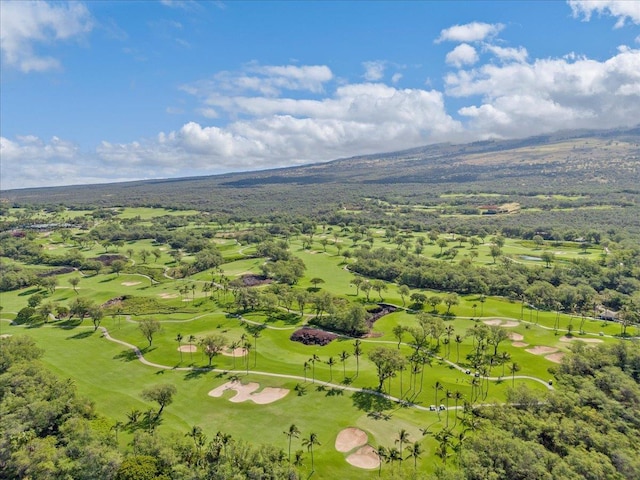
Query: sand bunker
(130, 284)
(167, 296)
(510, 324)
(366, 457)
(350, 438)
(586, 340)
(519, 344)
(493, 321)
(516, 336)
(187, 348)
(246, 392)
(238, 352)
(541, 350)
(555, 357)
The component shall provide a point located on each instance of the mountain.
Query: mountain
(570, 162)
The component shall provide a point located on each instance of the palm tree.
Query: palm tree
(504, 358)
(292, 432)
(309, 443)
(403, 437)
(306, 367)
(457, 396)
(415, 451)
(357, 351)
(331, 362)
(179, 340)
(514, 368)
(438, 387)
(255, 334)
(117, 427)
(444, 442)
(191, 340)
(393, 455)
(313, 361)
(458, 341)
(343, 358)
(298, 459)
(233, 346)
(382, 454)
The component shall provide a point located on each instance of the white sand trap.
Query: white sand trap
(541, 350)
(516, 336)
(586, 340)
(366, 457)
(519, 344)
(350, 438)
(245, 392)
(238, 352)
(555, 357)
(166, 296)
(130, 284)
(493, 321)
(510, 323)
(187, 348)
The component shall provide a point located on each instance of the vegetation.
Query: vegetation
(463, 342)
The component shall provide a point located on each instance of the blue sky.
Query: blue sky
(104, 91)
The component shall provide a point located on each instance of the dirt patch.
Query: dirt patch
(187, 348)
(167, 296)
(130, 284)
(313, 336)
(247, 392)
(238, 352)
(516, 336)
(541, 350)
(366, 457)
(350, 438)
(114, 302)
(555, 357)
(586, 340)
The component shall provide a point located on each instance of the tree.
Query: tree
(331, 362)
(149, 327)
(441, 242)
(212, 345)
(315, 281)
(495, 251)
(357, 282)
(451, 299)
(96, 313)
(418, 299)
(514, 367)
(403, 437)
(357, 351)
(387, 362)
(548, 258)
(309, 443)
(74, 281)
(343, 358)
(162, 394)
(404, 292)
(144, 255)
(415, 451)
(117, 266)
(379, 286)
(382, 454)
(292, 432)
(190, 341)
(434, 301)
(179, 340)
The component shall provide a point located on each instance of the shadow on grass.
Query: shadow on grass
(29, 292)
(81, 335)
(196, 373)
(70, 323)
(370, 402)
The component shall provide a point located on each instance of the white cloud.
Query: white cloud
(374, 71)
(463, 54)
(622, 10)
(396, 78)
(264, 80)
(520, 99)
(507, 54)
(470, 32)
(23, 25)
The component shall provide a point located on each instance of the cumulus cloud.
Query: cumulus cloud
(469, 32)
(463, 54)
(527, 98)
(507, 54)
(25, 25)
(266, 80)
(622, 10)
(374, 71)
